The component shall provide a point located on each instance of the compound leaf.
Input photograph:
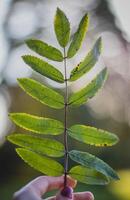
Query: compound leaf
(88, 175)
(92, 136)
(91, 161)
(88, 62)
(41, 93)
(43, 68)
(43, 164)
(78, 37)
(43, 49)
(89, 91)
(62, 27)
(36, 124)
(40, 145)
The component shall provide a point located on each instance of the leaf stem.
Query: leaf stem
(65, 123)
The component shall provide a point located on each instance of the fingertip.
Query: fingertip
(89, 196)
(83, 196)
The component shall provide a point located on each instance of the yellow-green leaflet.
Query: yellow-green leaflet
(45, 50)
(92, 136)
(41, 93)
(82, 96)
(37, 124)
(43, 146)
(43, 68)
(62, 28)
(43, 164)
(88, 176)
(78, 37)
(88, 62)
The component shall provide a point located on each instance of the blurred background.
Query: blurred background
(109, 110)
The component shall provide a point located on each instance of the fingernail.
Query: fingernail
(67, 192)
(89, 196)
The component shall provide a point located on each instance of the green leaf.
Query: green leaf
(36, 124)
(42, 164)
(78, 37)
(88, 62)
(43, 68)
(40, 145)
(91, 161)
(62, 27)
(41, 93)
(88, 176)
(44, 49)
(92, 136)
(89, 91)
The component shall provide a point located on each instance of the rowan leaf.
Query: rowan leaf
(41, 93)
(43, 68)
(36, 124)
(92, 136)
(43, 164)
(88, 175)
(62, 28)
(45, 50)
(88, 62)
(91, 161)
(78, 37)
(39, 145)
(36, 150)
(83, 95)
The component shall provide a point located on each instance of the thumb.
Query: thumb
(65, 194)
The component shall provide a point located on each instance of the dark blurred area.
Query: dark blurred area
(109, 110)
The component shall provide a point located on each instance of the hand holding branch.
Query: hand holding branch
(39, 186)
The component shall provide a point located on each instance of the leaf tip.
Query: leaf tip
(26, 58)
(19, 150)
(23, 57)
(27, 41)
(21, 81)
(100, 44)
(11, 137)
(87, 17)
(116, 177)
(8, 138)
(58, 10)
(104, 73)
(10, 115)
(116, 139)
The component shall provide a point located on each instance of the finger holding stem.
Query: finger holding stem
(39, 186)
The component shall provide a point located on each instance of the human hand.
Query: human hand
(39, 186)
